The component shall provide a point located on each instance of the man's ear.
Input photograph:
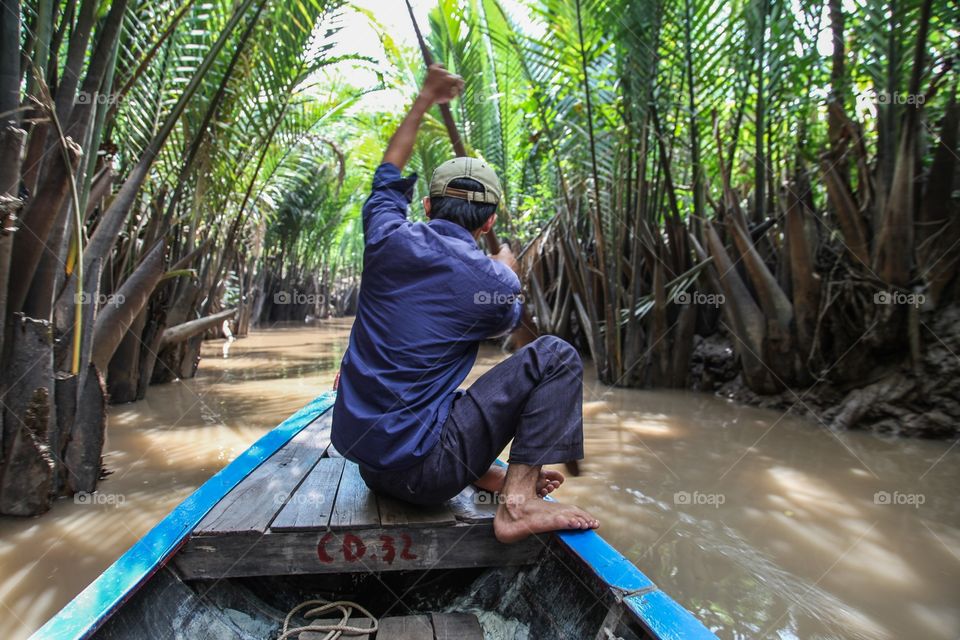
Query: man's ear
(426, 205)
(489, 223)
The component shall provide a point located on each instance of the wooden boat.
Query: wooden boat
(289, 520)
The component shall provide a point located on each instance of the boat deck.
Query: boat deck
(433, 626)
(290, 505)
(305, 509)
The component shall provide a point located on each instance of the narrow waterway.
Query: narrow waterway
(765, 526)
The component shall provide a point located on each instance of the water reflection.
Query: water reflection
(764, 526)
(775, 532)
(768, 526)
(159, 450)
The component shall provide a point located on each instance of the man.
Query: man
(427, 298)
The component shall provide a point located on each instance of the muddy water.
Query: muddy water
(764, 526)
(160, 450)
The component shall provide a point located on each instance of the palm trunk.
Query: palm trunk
(759, 154)
(894, 258)
(11, 145)
(187, 330)
(803, 277)
(938, 237)
(76, 51)
(611, 367)
(26, 476)
(38, 219)
(749, 325)
(114, 217)
(115, 318)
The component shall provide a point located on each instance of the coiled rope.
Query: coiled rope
(333, 630)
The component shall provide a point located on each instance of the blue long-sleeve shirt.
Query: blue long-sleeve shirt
(428, 296)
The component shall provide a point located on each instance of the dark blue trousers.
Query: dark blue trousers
(534, 397)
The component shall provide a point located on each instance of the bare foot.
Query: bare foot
(548, 481)
(517, 519)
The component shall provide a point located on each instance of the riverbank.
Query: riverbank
(919, 400)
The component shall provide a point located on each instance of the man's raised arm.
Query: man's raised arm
(439, 86)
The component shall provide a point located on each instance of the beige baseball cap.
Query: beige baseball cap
(464, 167)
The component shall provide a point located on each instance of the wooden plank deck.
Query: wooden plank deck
(307, 510)
(252, 504)
(436, 626)
(456, 626)
(312, 505)
(356, 506)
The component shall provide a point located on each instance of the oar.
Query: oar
(526, 332)
(492, 243)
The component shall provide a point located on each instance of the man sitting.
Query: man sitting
(428, 297)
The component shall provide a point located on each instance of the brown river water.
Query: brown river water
(764, 526)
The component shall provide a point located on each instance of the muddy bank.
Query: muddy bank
(904, 398)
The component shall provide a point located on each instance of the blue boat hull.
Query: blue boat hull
(579, 587)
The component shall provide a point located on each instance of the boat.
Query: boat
(288, 538)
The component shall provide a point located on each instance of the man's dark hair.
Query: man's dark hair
(469, 215)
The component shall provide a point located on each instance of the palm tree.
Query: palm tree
(180, 105)
(711, 148)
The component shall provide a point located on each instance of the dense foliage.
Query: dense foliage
(773, 174)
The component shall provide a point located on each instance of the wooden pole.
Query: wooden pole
(526, 332)
(493, 243)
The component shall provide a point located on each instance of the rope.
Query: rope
(334, 630)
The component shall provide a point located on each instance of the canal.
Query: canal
(764, 525)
